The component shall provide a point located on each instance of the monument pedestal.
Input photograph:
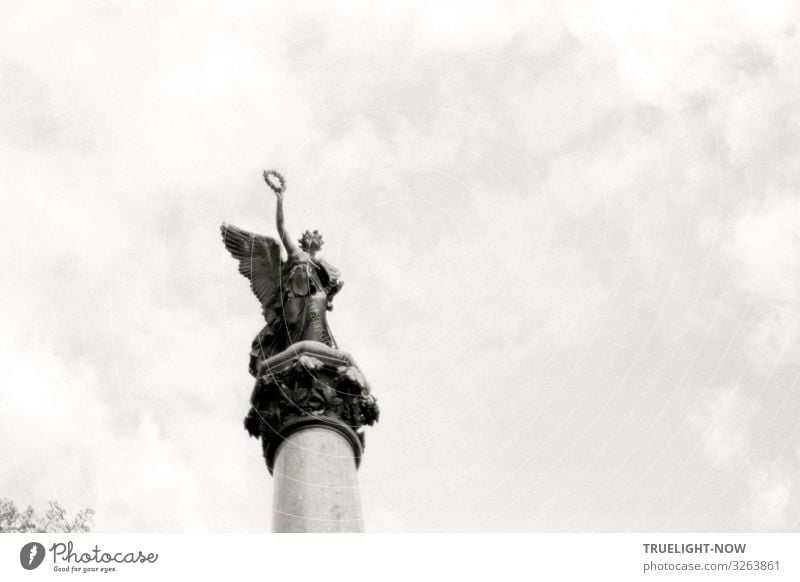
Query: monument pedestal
(308, 406)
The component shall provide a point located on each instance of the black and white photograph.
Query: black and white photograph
(474, 268)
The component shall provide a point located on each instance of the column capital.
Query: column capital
(309, 384)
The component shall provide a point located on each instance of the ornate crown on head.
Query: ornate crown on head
(311, 241)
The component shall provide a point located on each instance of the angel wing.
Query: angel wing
(260, 261)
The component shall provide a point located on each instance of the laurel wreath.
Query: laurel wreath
(278, 188)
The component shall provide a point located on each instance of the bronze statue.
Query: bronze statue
(302, 377)
(295, 294)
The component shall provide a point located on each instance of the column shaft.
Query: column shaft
(316, 489)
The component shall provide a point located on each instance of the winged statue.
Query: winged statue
(295, 293)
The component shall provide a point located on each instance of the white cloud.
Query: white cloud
(771, 502)
(766, 243)
(722, 419)
(765, 247)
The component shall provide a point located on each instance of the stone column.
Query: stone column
(308, 406)
(316, 489)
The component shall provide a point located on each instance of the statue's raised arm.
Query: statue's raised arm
(277, 184)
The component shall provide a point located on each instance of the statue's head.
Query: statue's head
(311, 242)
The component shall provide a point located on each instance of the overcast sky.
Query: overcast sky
(570, 236)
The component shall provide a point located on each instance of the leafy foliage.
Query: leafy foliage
(54, 520)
